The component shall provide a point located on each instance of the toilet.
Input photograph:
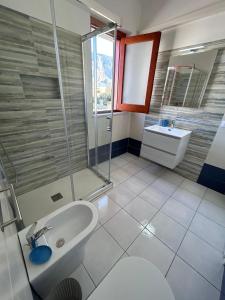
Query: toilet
(133, 278)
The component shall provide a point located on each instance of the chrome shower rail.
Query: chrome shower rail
(106, 29)
(18, 217)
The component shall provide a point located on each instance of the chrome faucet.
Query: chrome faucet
(32, 236)
(172, 125)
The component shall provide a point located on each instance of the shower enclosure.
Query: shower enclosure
(184, 86)
(54, 145)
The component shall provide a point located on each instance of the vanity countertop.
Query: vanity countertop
(173, 132)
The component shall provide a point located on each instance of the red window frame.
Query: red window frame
(155, 38)
(122, 41)
(95, 23)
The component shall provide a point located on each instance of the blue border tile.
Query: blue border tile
(118, 147)
(212, 177)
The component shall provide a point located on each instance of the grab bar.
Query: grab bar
(9, 160)
(16, 208)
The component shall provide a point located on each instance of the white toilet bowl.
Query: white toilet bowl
(133, 278)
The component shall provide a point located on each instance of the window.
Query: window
(135, 65)
(104, 53)
(104, 49)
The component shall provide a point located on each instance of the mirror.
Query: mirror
(187, 77)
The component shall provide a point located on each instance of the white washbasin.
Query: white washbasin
(175, 132)
(72, 223)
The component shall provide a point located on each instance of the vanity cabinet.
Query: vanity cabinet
(165, 145)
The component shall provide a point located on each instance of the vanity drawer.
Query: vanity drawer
(158, 156)
(161, 142)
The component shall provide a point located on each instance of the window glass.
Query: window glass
(104, 48)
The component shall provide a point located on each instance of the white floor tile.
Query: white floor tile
(209, 231)
(155, 169)
(87, 285)
(213, 212)
(154, 196)
(167, 230)
(146, 176)
(215, 197)
(141, 210)
(123, 228)
(98, 225)
(106, 208)
(121, 195)
(150, 248)
(101, 253)
(119, 161)
(140, 162)
(134, 184)
(172, 177)
(187, 284)
(119, 176)
(179, 212)
(131, 168)
(165, 186)
(187, 198)
(203, 258)
(128, 156)
(193, 187)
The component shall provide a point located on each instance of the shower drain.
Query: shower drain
(60, 243)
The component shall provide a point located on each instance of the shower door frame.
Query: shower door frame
(93, 34)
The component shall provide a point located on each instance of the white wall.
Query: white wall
(216, 155)
(205, 30)
(161, 14)
(129, 12)
(137, 125)
(120, 129)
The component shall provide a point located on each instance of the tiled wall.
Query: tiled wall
(203, 122)
(31, 120)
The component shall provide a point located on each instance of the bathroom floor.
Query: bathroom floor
(157, 214)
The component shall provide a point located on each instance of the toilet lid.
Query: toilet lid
(133, 278)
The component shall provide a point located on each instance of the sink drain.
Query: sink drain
(60, 243)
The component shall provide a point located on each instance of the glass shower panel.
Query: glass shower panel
(99, 100)
(32, 130)
(86, 180)
(103, 51)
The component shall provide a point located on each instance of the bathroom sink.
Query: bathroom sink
(71, 226)
(175, 132)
